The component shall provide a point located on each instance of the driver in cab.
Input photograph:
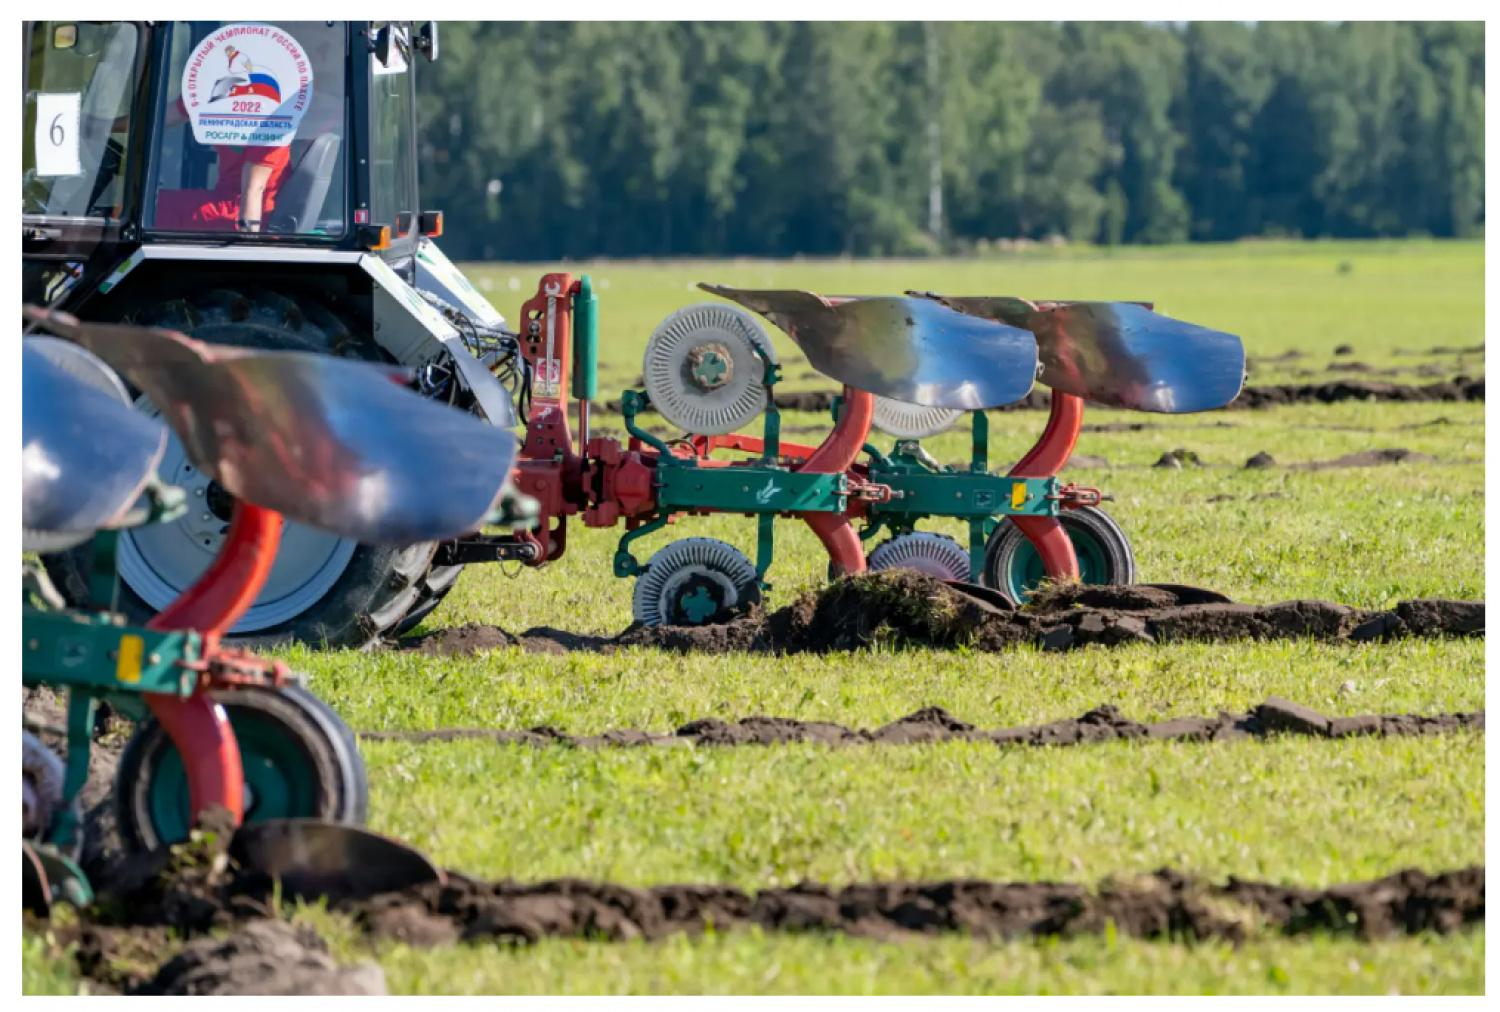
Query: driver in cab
(248, 177)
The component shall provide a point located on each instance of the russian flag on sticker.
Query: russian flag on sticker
(262, 85)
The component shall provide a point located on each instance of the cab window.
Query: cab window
(393, 166)
(80, 82)
(251, 129)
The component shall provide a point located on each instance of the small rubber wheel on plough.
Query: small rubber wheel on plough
(300, 762)
(695, 581)
(1014, 568)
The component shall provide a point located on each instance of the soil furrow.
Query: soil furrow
(261, 957)
(906, 608)
(934, 724)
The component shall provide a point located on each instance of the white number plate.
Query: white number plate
(57, 134)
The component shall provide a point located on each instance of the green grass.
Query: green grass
(48, 969)
(1299, 811)
(585, 693)
(1279, 296)
(755, 963)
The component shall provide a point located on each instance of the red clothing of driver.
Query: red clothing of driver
(219, 209)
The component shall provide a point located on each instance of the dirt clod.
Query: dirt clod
(1370, 458)
(263, 956)
(1178, 459)
(1279, 714)
(464, 639)
(1460, 388)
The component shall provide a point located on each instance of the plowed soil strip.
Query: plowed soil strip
(906, 608)
(1165, 905)
(934, 724)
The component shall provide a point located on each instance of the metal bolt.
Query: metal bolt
(154, 659)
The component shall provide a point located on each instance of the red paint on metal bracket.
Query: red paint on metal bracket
(1045, 459)
(833, 455)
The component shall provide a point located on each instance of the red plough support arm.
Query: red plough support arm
(833, 455)
(1046, 458)
(198, 726)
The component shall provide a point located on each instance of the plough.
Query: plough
(911, 364)
(325, 441)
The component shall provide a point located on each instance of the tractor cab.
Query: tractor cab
(263, 134)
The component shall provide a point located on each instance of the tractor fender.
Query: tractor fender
(406, 326)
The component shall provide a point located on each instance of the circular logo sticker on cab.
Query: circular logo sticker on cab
(247, 84)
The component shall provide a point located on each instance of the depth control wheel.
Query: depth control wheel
(1013, 567)
(695, 581)
(300, 761)
(934, 554)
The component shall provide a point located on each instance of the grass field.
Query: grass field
(1299, 811)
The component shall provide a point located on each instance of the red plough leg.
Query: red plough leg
(835, 454)
(1046, 458)
(198, 726)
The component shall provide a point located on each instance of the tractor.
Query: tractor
(253, 184)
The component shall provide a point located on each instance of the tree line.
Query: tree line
(554, 139)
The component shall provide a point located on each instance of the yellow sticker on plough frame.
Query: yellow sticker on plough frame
(128, 662)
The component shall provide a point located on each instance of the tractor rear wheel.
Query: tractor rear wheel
(434, 587)
(323, 590)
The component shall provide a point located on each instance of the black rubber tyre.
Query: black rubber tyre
(435, 586)
(1012, 566)
(291, 742)
(379, 584)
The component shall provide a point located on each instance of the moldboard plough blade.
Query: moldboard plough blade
(908, 349)
(330, 442)
(312, 858)
(86, 455)
(1121, 354)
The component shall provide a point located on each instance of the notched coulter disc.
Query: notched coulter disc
(912, 421)
(702, 371)
(924, 552)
